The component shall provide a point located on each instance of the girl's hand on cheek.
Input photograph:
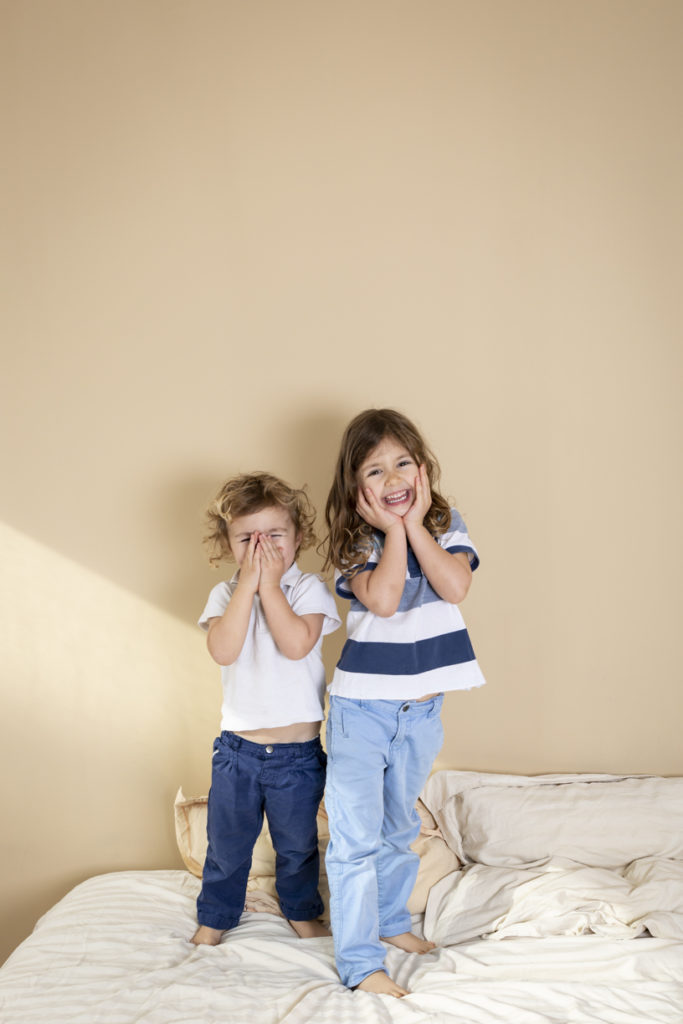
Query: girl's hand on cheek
(422, 502)
(272, 562)
(369, 509)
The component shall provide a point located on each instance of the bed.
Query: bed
(554, 899)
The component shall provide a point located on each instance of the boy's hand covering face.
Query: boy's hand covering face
(272, 561)
(264, 545)
(250, 565)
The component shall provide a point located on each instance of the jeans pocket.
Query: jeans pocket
(223, 755)
(436, 705)
(336, 726)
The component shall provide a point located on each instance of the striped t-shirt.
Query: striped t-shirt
(422, 648)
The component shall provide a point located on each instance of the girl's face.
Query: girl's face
(389, 471)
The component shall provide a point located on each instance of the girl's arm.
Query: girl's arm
(381, 589)
(450, 575)
(295, 635)
(226, 635)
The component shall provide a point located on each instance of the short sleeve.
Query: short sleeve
(456, 538)
(310, 596)
(342, 584)
(218, 601)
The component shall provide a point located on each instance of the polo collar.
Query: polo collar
(290, 577)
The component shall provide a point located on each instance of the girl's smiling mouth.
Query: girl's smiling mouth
(398, 497)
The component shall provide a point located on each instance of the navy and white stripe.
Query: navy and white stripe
(423, 648)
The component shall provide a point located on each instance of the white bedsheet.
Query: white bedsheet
(116, 950)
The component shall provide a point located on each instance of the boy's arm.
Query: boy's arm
(226, 635)
(449, 574)
(381, 589)
(295, 635)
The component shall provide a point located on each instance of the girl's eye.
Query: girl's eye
(373, 472)
(406, 462)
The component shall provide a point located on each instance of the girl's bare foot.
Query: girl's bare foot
(380, 983)
(409, 942)
(205, 936)
(310, 929)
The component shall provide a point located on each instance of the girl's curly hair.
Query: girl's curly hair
(348, 543)
(251, 492)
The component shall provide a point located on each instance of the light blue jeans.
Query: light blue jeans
(380, 753)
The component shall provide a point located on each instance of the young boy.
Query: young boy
(265, 628)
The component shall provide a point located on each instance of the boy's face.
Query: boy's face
(389, 472)
(275, 522)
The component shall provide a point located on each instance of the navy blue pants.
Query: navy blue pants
(284, 780)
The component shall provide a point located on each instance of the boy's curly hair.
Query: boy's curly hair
(349, 540)
(251, 492)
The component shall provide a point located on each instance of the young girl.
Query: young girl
(404, 560)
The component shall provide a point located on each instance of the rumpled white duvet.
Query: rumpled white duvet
(561, 898)
(582, 943)
(558, 855)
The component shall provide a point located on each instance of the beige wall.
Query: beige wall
(230, 227)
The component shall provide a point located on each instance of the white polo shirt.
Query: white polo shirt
(262, 688)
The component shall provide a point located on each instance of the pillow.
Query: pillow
(519, 821)
(436, 859)
(190, 830)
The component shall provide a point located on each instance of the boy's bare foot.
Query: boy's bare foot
(205, 936)
(409, 942)
(380, 983)
(310, 929)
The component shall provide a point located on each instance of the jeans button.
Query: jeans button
(406, 707)
(269, 749)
